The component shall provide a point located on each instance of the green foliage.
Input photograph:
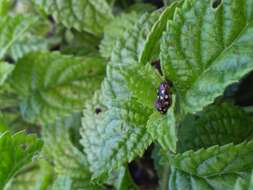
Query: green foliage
(4, 7)
(115, 30)
(216, 125)
(83, 75)
(121, 127)
(215, 160)
(152, 43)
(180, 180)
(203, 50)
(35, 176)
(29, 43)
(52, 84)
(86, 15)
(5, 70)
(126, 53)
(244, 183)
(141, 82)
(124, 181)
(121, 131)
(163, 128)
(13, 29)
(71, 163)
(16, 151)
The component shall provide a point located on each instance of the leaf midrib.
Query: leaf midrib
(212, 62)
(16, 37)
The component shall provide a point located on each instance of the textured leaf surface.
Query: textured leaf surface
(52, 85)
(68, 160)
(125, 181)
(207, 44)
(180, 180)
(121, 131)
(5, 70)
(34, 176)
(13, 29)
(153, 39)
(16, 151)
(215, 160)
(62, 183)
(216, 125)
(126, 53)
(83, 15)
(29, 43)
(121, 128)
(115, 31)
(163, 128)
(244, 183)
(142, 82)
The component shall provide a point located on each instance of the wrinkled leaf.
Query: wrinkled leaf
(53, 85)
(206, 47)
(86, 15)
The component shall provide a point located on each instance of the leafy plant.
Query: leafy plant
(126, 94)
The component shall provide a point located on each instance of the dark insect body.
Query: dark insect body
(157, 65)
(164, 97)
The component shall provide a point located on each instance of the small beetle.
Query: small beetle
(164, 98)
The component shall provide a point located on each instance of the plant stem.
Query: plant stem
(165, 177)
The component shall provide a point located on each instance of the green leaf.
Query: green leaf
(62, 183)
(35, 176)
(180, 180)
(244, 183)
(67, 183)
(68, 160)
(24, 34)
(121, 131)
(142, 82)
(163, 128)
(80, 44)
(153, 40)
(115, 30)
(125, 53)
(4, 7)
(121, 125)
(16, 151)
(86, 15)
(125, 181)
(52, 85)
(27, 44)
(219, 124)
(9, 111)
(3, 127)
(207, 47)
(5, 70)
(216, 160)
(140, 7)
(13, 29)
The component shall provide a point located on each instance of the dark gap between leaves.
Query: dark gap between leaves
(216, 3)
(143, 171)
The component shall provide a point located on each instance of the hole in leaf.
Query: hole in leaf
(98, 110)
(216, 4)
